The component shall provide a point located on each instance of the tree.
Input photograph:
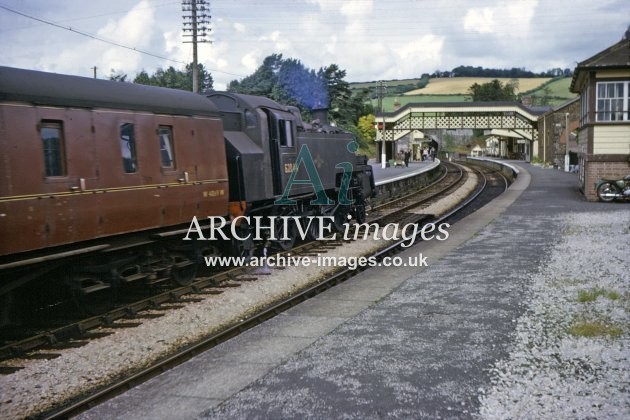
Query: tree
(289, 82)
(262, 81)
(545, 99)
(176, 79)
(366, 130)
(492, 91)
(205, 79)
(142, 78)
(423, 82)
(117, 76)
(338, 95)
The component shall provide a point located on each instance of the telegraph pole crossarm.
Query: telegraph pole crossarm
(197, 27)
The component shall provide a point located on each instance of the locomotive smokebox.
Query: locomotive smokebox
(320, 114)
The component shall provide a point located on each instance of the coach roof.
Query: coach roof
(53, 89)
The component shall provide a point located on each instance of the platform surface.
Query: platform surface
(388, 174)
(401, 342)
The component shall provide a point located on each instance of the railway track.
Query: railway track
(452, 177)
(57, 337)
(78, 332)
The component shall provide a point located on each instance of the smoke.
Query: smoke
(303, 87)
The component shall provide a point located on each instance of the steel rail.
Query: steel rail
(192, 350)
(78, 329)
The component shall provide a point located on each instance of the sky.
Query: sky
(370, 39)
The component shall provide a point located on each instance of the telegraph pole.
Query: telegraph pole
(196, 29)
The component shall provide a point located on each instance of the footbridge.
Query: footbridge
(511, 124)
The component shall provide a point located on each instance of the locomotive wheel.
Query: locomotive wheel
(183, 270)
(286, 244)
(341, 218)
(359, 214)
(606, 192)
(314, 232)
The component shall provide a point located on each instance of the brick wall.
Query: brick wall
(551, 136)
(598, 170)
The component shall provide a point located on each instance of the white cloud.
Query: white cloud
(370, 40)
(479, 20)
(133, 29)
(355, 8)
(426, 48)
(77, 55)
(239, 27)
(506, 19)
(518, 17)
(250, 61)
(172, 42)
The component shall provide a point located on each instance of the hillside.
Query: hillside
(460, 85)
(454, 89)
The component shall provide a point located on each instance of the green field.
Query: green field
(554, 92)
(558, 88)
(388, 102)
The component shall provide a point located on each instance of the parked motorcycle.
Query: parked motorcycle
(611, 189)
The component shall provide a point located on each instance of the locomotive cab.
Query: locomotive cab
(281, 166)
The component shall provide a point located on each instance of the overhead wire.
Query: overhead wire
(404, 15)
(110, 42)
(69, 28)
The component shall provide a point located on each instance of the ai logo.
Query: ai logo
(305, 157)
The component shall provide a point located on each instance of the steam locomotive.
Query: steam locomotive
(100, 181)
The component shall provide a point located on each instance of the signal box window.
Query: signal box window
(165, 136)
(51, 133)
(128, 148)
(610, 100)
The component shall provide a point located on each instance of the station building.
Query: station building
(557, 128)
(603, 134)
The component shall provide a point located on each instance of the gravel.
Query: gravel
(45, 384)
(550, 372)
(553, 371)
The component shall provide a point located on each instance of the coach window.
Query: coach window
(165, 136)
(286, 133)
(51, 133)
(128, 148)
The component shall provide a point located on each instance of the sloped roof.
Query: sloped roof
(616, 56)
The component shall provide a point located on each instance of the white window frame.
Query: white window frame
(610, 112)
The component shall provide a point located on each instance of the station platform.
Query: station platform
(389, 174)
(404, 342)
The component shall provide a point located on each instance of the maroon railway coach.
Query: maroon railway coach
(85, 159)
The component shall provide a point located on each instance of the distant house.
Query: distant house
(603, 82)
(476, 151)
(552, 134)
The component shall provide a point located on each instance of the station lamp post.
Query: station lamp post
(566, 156)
